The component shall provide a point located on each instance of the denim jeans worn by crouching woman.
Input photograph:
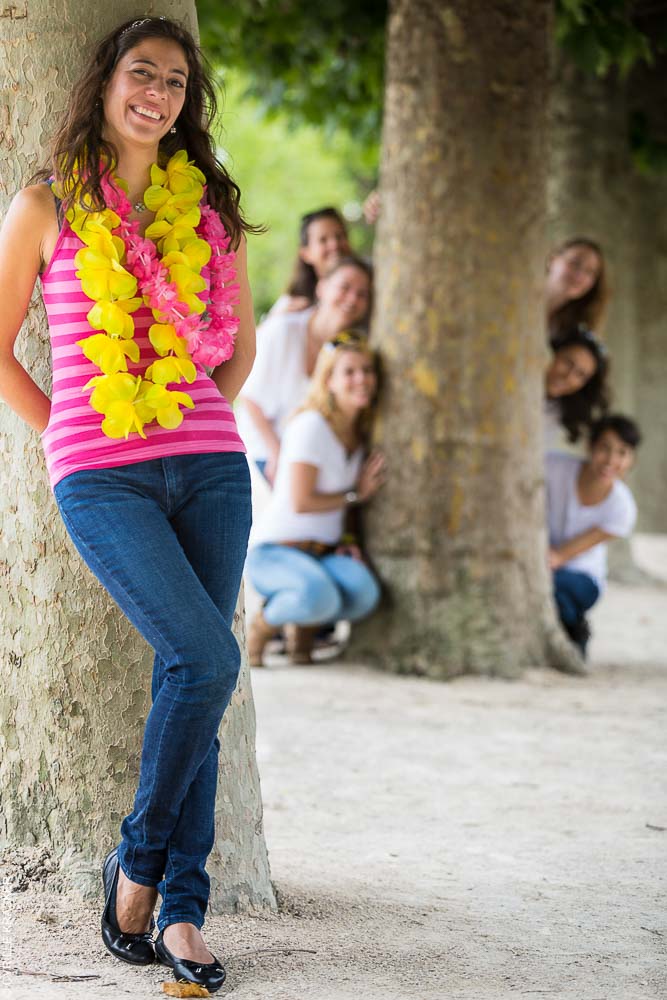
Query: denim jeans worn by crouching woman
(574, 593)
(303, 590)
(168, 539)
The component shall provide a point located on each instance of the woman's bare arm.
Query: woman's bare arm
(575, 546)
(27, 238)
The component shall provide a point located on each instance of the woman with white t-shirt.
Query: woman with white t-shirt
(287, 348)
(587, 505)
(298, 563)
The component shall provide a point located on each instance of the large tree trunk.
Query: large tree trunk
(648, 90)
(595, 190)
(74, 675)
(458, 532)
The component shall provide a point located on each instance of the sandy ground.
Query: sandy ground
(478, 840)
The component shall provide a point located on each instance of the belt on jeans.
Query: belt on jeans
(317, 549)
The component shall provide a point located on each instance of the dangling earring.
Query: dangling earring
(173, 130)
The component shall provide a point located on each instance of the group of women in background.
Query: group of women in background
(292, 421)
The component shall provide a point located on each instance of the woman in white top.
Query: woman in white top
(298, 564)
(588, 504)
(287, 348)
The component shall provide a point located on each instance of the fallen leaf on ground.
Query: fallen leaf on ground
(184, 989)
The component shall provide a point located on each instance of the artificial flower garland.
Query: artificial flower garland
(165, 268)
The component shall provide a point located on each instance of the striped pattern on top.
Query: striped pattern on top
(73, 439)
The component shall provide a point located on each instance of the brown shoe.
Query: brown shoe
(300, 641)
(259, 634)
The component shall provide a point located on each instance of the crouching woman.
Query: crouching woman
(298, 563)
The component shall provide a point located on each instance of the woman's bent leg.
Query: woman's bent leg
(574, 594)
(297, 587)
(358, 587)
(119, 520)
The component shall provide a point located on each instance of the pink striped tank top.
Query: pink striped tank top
(73, 439)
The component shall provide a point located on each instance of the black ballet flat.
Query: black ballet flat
(212, 975)
(137, 949)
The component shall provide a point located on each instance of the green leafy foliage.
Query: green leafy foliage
(601, 34)
(321, 64)
(285, 170)
(648, 151)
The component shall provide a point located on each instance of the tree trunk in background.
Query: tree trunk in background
(74, 675)
(649, 87)
(591, 193)
(595, 190)
(458, 531)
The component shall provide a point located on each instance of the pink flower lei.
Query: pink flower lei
(211, 336)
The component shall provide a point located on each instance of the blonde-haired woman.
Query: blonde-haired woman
(298, 563)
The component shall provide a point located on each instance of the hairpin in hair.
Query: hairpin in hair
(137, 24)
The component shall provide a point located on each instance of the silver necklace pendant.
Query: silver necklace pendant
(139, 206)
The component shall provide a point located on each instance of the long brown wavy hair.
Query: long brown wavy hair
(588, 309)
(577, 411)
(78, 143)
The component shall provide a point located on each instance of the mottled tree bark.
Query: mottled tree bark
(458, 532)
(74, 675)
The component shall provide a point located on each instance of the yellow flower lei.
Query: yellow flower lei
(129, 402)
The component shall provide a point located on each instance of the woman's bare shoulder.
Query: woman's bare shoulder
(36, 200)
(31, 225)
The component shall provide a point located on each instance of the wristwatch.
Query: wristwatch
(351, 497)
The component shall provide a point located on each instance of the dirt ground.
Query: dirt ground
(478, 840)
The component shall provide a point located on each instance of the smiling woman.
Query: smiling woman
(147, 91)
(290, 343)
(135, 231)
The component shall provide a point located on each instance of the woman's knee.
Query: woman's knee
(209, 664)
(323, 600)
(363, 599)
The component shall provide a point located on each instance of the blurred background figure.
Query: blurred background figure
(288, 344)
(297, 563)
(323, 238)
(576, 287)
(588, 504)
(576, 386)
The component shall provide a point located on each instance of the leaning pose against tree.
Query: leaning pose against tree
(152, 481)
(300, 564)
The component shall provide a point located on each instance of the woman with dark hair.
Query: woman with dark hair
(136, 234)
(576, 286)
(576, 387)
(322, 240)
(287, 348)
(588, 504)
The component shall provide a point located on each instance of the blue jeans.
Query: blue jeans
(303, 590)
(574, 594)
(168, 539)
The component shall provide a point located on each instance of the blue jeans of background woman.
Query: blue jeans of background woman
(168, 539)
(574, 593)
(304, 590)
